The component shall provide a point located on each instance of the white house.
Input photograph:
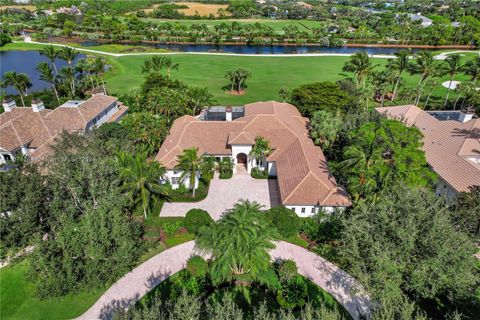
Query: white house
(451, 141)
(424, 21)
(30, 130)
(305, 184)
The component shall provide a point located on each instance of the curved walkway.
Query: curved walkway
(441, 56)
(135, 284)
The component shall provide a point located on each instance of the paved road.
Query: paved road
(134, 285)
(224, 193)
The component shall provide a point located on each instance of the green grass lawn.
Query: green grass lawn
(277, 25)
(18, 301)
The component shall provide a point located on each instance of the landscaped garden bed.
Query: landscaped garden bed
(259, 174)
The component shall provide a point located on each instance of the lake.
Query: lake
(252, 49)
(26, 62)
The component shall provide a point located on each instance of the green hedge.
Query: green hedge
(183, 195)
(259, 174)
(197, 218)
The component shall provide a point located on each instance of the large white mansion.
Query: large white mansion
(304, 180)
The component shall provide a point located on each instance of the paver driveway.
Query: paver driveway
(224, 193)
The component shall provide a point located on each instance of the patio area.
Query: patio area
(224, 193)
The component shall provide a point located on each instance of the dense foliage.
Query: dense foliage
(284, 220)
(197, 218)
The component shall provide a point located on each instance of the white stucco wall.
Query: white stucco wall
(103, 117)
(310, 210)
(176, 174)
(444, 189)
(236, 150)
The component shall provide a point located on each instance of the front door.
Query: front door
(242, 159)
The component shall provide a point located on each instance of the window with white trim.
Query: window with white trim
(175, 180)
(303, 210)
(313, 210)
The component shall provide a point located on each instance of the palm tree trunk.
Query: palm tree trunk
(103, 85)
(395, 88)
(428, 98)
(192, 183)
(456, 101)
(144, 211)
(21, 98)
(56, 92)
(448, 92)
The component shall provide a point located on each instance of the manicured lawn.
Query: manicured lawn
(18, 301)
(277, 25)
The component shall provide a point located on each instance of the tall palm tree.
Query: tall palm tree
(361, 65)
(472, 68)
(46, 74)
(239, 243)
(140, 179)
(399, 65)
(451, 67)
(189, 162)
(170, 65)
(241, 76)
(425, 66)
(431, 83)
(99, 68)
(230, 75)
(20, 81)
(260, 149)
(69, 54)
(51, 53)
(67, 75)
(200, 97)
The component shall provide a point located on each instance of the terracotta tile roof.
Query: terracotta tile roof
(448, 145)
(23, 127)
(302, 170)
(122, 111)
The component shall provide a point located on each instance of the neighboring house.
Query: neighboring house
(304, 180)
(451, 141)
(424, 21)
(31, 130)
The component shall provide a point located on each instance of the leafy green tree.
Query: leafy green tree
(141, 179)
(239, 242)
(99, 66)
(146, 131)
(328, 96)
(20, 81)
(170, 65)
(238, 78)
(190, 163)
(197, 218)
(284, 220)
(381, 152)
(284, 93)
(405, 243)
(472, 68)
(324, 128)
(465, 211)
(425, 65)
(69, 54)
(200, 97)
(361, 65)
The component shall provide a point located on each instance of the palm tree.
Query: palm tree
(99, 66)
(169, 65)
(67, 75)
(140, 179)
(46, 74)
(200, 97)
(230, 75)
(51, 53)
(19, 81)
(472, 68)
(260, 149)
(426, 66)
(69, 54)
(451, 67)
(239, 243)
(324, 128)
(361, 65)
(431, 83)
(399, 65)
(283, 93)
(189, 162)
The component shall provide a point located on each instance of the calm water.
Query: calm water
(251, 49)
(26, 62)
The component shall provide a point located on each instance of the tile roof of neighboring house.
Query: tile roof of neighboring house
(447, 144)
(23, 127)
(302, 170)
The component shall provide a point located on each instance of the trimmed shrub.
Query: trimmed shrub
(197, 266)
(287, 269)
(259, 174)
(284, 219)
(195, 219)
(293, 293)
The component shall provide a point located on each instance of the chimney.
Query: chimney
(466, 114)
(228, 113)
(8, 104)
(37, 105)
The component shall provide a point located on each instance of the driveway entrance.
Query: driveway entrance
(224, 193)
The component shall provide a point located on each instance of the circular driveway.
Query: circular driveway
(135, 284)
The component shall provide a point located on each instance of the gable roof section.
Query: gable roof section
(302, 170)
(447, 144)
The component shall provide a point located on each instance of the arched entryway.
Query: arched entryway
(242, 159)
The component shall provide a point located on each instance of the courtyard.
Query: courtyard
(224, 193)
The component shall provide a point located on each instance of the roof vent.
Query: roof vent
(466, 114)
(8, 104)
(37, 105)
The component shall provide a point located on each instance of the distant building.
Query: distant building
(451, 141)
(31, 130)
(425, 22)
